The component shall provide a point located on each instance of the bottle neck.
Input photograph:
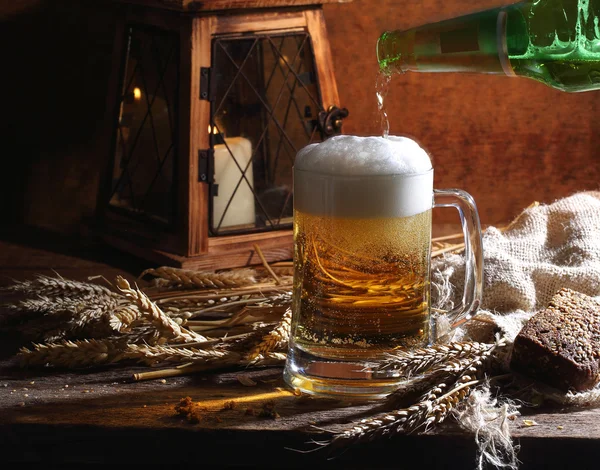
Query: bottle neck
(472, 43)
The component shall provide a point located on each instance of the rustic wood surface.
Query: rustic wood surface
(102, 416)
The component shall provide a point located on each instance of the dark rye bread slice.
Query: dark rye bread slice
(561, 345)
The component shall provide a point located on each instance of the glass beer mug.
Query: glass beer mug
(362, 248)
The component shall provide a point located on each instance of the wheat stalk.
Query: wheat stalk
(276, 339)
(266, 264)
(231, 359)
(216, 295)
(195, 279)
(167, 327)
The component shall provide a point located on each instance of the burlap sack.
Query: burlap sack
(546, 248)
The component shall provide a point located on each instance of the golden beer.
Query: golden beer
(361, 286)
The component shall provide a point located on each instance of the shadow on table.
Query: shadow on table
(41, 247)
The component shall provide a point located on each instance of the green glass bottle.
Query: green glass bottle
(556, 42)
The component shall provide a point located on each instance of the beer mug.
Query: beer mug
(362, 248)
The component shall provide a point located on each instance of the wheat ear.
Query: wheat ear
(73, 353)
(157, 354)
(266, 359)
(68, 317)
(167, 327)
(433, 407)
(123, 317)
(275, 341)
(408, 363)
(195, 279)
(60, 287)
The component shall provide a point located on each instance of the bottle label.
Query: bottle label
(459, 40)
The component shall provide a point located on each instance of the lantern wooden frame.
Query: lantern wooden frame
(197, 23)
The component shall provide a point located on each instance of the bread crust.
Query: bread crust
(561, 344)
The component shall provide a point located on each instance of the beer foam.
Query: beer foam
(363, 177)
(351, 155)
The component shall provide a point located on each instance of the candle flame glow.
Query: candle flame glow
(137, 93)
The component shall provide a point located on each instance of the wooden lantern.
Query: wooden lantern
(210, 102)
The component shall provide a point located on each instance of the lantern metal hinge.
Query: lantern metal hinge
(330, 121)
(207, 88)
(206, 170)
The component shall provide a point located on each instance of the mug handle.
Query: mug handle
(469, 218)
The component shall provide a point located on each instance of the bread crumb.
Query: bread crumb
(228, 405)
(187, 408)
(268, 411)
(529, 423)
(163, 381)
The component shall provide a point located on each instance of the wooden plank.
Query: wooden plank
(167, 20)
(226, 242)
(215, 5)
(103, 417)
(315, 21)
(225, 252)
(109, 398)
(259, 21)
(198, 197)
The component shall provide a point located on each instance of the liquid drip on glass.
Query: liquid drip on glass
(382, 86)
(563, 48)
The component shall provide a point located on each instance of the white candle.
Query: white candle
(227, 175)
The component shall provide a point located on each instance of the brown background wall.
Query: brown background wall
(507, 141)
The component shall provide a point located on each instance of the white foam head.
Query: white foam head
(349, 176)
(350, 155)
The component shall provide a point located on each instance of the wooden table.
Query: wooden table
(103, 417)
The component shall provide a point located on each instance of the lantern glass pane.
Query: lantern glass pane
(264, 110)
(146, 141)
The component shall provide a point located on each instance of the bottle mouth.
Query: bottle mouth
(388, 55)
